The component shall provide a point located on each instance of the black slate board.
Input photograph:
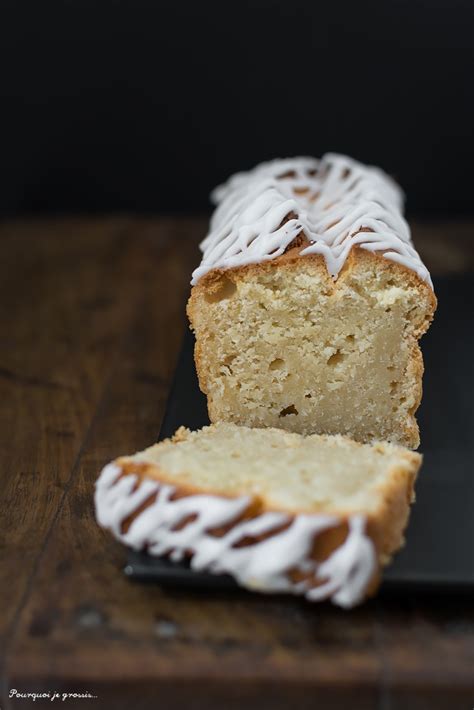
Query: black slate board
(439, 554)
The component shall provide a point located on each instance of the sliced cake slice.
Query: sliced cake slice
(314, 515)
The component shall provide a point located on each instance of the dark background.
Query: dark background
(145, 106)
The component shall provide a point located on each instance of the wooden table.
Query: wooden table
(91, 322)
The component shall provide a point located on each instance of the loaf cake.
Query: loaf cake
(309, 302)
(312, 515)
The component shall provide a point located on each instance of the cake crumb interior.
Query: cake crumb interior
(283, 346)
(293, 472)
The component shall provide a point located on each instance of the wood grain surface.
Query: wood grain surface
(92, 314)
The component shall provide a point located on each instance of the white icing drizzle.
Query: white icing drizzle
(331, 200)
(263, 565)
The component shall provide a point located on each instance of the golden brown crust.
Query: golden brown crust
(387, 526)
(358, 256)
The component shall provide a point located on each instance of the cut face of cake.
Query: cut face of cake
(280, 512)
(309, 303)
